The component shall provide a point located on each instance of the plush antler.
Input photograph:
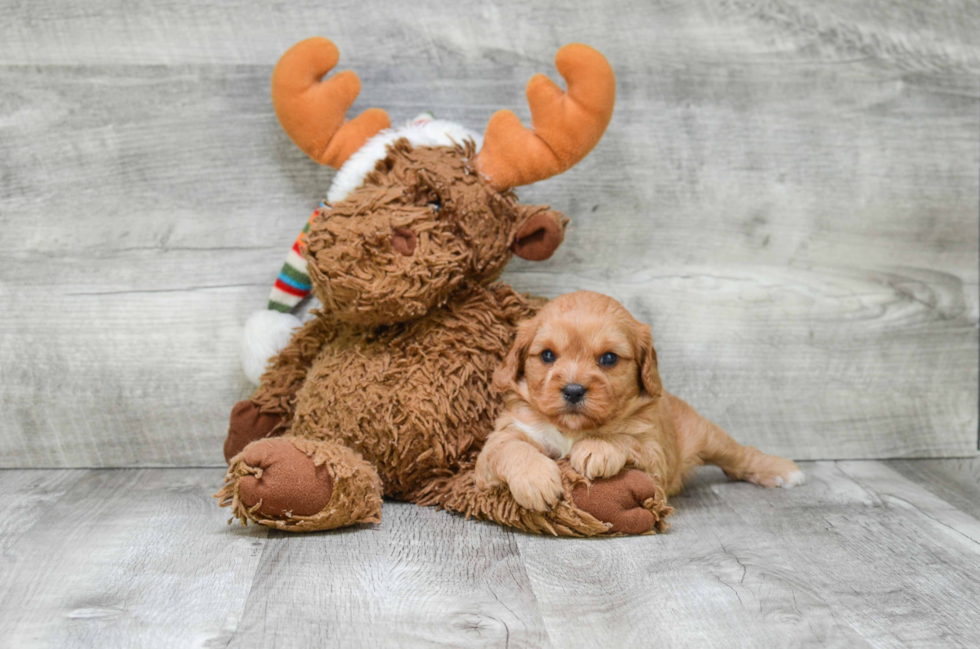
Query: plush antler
(565, 125)
(312, 111)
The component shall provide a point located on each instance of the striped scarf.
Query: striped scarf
(293, 283)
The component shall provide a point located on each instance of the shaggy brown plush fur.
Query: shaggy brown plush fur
(388, 387)
(351, 492)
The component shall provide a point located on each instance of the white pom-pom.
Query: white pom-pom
(266, 333)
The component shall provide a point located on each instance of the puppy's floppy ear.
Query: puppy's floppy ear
(646, 358)
(511, 371)
(539, 233)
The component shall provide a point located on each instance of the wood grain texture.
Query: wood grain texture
(124, 558)
(829, 564)
(955, 481)
(788, 193)
(421, 578)
(863, 555)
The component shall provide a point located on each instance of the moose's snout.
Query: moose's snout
(403, 241)
(573, 392)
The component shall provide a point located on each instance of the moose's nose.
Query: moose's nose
(403, 241)
(573, 392)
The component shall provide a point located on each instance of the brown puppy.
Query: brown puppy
(581, 381)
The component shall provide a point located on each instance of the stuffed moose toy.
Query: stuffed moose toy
(386, 391)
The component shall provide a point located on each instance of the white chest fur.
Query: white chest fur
(552, 440)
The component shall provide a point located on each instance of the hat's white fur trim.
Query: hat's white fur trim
(436, 132)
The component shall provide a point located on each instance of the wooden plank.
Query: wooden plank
(141, 378)
(859, 556)
(790, 194)
(26, 496)
(896, 490)
(128, 558)
(955, 481)
(42, 32)
(838, 562)
(420, 578)
(712, 580)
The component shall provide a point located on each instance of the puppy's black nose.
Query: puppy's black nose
(573, 392)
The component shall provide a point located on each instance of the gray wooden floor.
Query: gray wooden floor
(867, 553)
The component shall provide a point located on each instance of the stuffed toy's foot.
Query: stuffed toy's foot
(248, 424)
(301, 485)
(629, 503)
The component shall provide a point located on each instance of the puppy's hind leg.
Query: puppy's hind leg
(702, 441)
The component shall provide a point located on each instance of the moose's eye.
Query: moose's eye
(548, 356)
(608, 359)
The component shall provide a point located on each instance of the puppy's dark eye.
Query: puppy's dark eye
(608, 359)
(547, 356)
(435, 204)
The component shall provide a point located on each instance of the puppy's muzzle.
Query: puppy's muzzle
(573, 393)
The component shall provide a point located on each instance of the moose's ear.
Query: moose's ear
(540, 234)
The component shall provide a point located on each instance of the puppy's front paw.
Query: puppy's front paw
(596, 458)
(539, 486)
(775, 471)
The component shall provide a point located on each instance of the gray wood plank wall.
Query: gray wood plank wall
(788, 193)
